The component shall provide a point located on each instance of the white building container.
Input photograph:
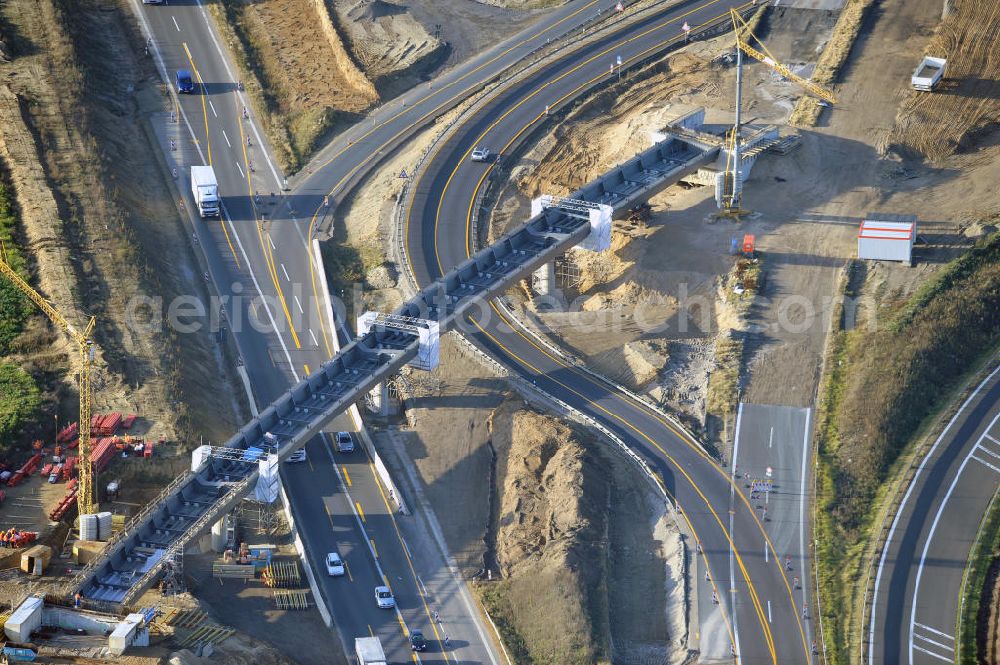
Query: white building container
(88, 527)
(25, 619)
(104, 523)
(885, 237)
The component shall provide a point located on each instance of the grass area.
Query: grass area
(544, 628)
(15, 308)
(808, 109)
(20, 399)
(984, 552)
(263, 99)
(880, 390)
(296, 71)
(723, 383)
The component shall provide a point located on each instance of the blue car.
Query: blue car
(185, 84)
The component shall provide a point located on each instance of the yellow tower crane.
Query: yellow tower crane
(85, 484)
(733, 183)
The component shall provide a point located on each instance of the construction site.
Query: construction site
(760, 210)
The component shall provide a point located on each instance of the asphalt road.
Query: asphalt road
(760, 618)
(918, 585)
(260, 265)
(259, 261)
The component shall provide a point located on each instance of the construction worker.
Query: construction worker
(795, 583)
(76, 599)
(805, 611)
(707, 577)
(788, 562)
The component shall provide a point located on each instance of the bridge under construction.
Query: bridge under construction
(223, 476)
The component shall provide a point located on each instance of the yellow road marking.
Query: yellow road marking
(208, 144)
(402, 625)
(361, 511)
(375, 550)
(347, 476)
(312, 222)
(406, 553)
(348, 569)
(305, 366)
(757, 606)
(370, 631)
(272, 271)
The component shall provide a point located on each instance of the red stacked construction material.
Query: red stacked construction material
(128, 421)
(103, 453)
(47, 469)
(26, 470)
(68, 433)
(71, 485)
(105, 425)
(14, 537)
(147, 450)
(65, 504)
(68, 467)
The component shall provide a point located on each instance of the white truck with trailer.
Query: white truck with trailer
(205, 190)
(928, 73)
(369, 651)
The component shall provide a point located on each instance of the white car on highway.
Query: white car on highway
(343, 442)
(481, 154)
(383, 596)
(334, 565)
(297, 457)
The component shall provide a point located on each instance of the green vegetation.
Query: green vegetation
(14, 306)
(19, 400)
(227, 14)
(881, 388)
(974, 584)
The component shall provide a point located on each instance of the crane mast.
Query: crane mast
(733, 179)
(86, 351)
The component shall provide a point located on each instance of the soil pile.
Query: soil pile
(387, 41)
(551, 538)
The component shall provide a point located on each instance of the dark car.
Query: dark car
(185, 84)
(417, 641)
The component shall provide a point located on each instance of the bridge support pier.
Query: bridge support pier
(543, 280)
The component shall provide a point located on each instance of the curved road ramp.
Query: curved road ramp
(223, 476)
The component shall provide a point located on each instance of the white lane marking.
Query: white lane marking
(992, 439)
(930, 641)
(931, 653)
(242, 175)
(803, 475)
(212, 106)
(769, 612)
(175, 23)
(161, 66)
(982, 461)
(930, 535)
(298, 304)
(315, 341)
(770, 438)
(988, 451)
(933, 630)
(226, 136)
(271, 241)
(902, 504)
(239, 95)
(286, 272)
(732, 500)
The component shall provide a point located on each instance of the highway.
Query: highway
(760, 618)
(918, 583)
(259, 261)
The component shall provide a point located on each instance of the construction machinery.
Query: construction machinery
(732, 185)
(87, 351)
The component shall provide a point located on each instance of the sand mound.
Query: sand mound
(551, 539)
(385, 38)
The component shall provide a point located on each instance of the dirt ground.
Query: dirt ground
(467, 435)
(967, 102)
(114, 204)
(391, 46)
(806, 209)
